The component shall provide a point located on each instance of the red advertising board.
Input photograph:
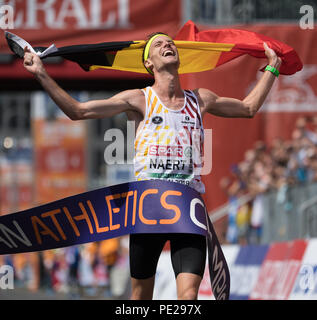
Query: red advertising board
(70, 22)
(65, 22)
(279, 271)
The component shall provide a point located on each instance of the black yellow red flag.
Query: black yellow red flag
(198, 51)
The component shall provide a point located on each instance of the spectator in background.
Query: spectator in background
(286, 163)
(233, 192)
(243, 223)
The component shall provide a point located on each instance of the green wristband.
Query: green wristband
(273, 70)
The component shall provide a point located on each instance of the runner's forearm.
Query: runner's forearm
(256, 97)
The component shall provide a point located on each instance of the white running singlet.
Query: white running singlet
(169, 143)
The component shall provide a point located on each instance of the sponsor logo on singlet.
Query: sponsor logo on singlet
(157, 120)
(165, 151)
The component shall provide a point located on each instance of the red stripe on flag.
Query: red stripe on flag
(245, 42)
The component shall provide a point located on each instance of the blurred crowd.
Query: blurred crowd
(276, 168)
(93, 270)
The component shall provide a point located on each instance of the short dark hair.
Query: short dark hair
(148, 38)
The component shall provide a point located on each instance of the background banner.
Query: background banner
(66, 22)
(59, 151)
(277, 271)
(71, 22)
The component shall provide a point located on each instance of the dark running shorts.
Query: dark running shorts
(188, 253)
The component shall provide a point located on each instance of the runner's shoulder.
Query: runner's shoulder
(204, 95)
(134, 97)
(203, 92)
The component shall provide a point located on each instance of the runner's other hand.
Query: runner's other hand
(274, 60)
(32, 62)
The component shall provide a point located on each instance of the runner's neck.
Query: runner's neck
(168, 87)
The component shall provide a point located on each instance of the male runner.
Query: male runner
(164, 105)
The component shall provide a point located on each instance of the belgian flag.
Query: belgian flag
(198, 51)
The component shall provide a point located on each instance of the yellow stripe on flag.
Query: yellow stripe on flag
(194, 56)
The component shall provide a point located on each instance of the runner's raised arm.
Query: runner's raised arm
(125, 101)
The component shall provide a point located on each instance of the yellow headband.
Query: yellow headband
(148, 45)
